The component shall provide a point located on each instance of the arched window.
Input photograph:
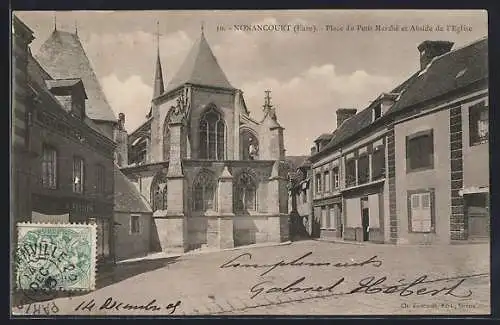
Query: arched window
(166, 141)
(159, 193)
(212, 136)
(204, 191)
(249, 145)
(245, 196)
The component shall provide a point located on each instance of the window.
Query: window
(212, 136)
(350, 173)
(421, 211)
(159, 192)
(336, 179)
(78, 175)
(135, 225)
(246, 193)
(318, 183)
(378, 163)
(304, 196)
(327, 181)
(204, 191)
(325, 217)
(478, 124)
(100, 178)
(333, 215)
(49, 167)
(420, 151)
(363, 169)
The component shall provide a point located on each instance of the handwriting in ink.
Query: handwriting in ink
(114, 304)
(236, 263)
(373, 285)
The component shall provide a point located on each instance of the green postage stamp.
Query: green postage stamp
(53, 257)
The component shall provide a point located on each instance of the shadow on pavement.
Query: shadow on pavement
(106, 276)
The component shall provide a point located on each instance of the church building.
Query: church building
(214, 176)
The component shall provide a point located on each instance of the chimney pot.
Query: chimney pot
(431, 49)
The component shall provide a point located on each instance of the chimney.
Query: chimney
(344, 114)
(430, 49)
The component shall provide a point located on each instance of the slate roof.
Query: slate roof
(200, 68)
(62, 56)
(294, 162)
(439, 78)
(127, 196)
(38, 79)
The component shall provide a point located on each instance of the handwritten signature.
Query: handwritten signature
(114, 304)
(235, 263)
(374, 285)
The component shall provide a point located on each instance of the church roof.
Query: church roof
(63, 57)
(200, 68)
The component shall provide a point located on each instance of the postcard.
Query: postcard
(258, 162)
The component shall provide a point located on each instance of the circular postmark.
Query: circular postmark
(50, 260)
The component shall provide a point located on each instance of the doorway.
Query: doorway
(478, 217)
(365, 218)
(365, 224)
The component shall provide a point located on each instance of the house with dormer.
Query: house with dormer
(412, 167)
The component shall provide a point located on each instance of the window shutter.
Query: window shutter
(332, 217)
(416, 219)
(426, 211)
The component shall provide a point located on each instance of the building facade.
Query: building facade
(413, 166)
(213, 175)
(22, 102)
(67, 167)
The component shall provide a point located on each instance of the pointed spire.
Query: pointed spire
(76, 28)
(55, 21)
(202, 28)
(159, 87)
(158, 38)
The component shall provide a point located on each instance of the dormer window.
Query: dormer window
(377, 111)
(71, 95)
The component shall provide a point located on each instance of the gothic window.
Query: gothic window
(166, 141)
(249, 145)
(204, 191)
(159, 193)
(212, 136)
(246, 193)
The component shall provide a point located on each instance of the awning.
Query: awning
(474, 189)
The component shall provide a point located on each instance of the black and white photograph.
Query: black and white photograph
(249, 162)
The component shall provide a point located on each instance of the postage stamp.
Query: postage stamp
(53, 257)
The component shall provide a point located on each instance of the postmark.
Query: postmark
(55, 257)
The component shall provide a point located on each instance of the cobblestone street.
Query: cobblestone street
(457, 282)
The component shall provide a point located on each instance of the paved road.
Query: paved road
(334, 279)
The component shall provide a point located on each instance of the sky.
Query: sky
(310, 73)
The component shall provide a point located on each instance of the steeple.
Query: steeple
(159, 87)
(55, 21)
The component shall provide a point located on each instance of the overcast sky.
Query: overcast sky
(311, 74)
